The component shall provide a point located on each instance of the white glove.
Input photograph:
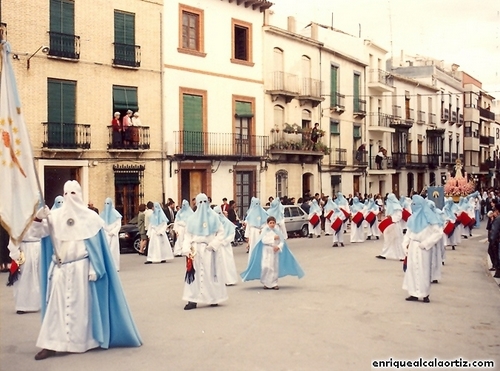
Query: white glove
(43, 212)
(92, 276)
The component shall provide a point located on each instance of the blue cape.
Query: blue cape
(448, 209)
(158, 217)
(112, 322)
(185, 212)
(287, 266)
(314, 209)
(341, 200)
(356, 206)
(256, 215)
(204, 221)
(392, 204)
(229, 227)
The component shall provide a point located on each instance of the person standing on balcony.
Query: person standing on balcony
(380, 156)
(315, 133)
(126, 124)
(360, 152)
(116, 136)
(135, 122)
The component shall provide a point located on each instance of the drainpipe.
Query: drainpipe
(163, 149)
(320, 119)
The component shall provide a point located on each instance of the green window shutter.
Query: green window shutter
(61, 113)
(125, 98)
(333, 86)
(124, 28)
(334, 128)
(356, 132)
(192, 113)
(356, 92)
(244, 109)
(62, 16)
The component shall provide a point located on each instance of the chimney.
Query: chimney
(291, 24)
(402, 58)
(314, 31)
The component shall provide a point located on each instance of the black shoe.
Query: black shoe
(44, 353)
(334, 245)
(368, 238)
(377, 237)
(310, 236)
(163, 261)
(434, 281)
(426, 299)
(327, 234)
(148, 262)
(453, 247)
(190, 305)
(20, 312)
(342, 244)
(214, 305)
(318, 236)
(464, 237)
(411, 298)
(380, 257)
(497, 274)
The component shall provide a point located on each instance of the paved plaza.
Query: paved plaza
(347, 311)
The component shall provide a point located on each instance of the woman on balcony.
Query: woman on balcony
(134, 130)
(117, 130)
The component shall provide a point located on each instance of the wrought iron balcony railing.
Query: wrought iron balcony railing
(385, 164)
(420, 117)
(337, 102)
(445, 115)
(484, 140)
(410, 116)
(360, 158)
(338, 157)
(432, 118)
(310, 87)
(136, 137)
(486, 113)
(230, 145)
(127, 55)
(359, 107)
(64, 45)
(379, 119)
(58, 135)
(285, 82)
(382, 77)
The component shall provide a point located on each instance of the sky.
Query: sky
(464, 32)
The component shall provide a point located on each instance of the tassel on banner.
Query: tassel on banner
(190, 271)
(13, 273)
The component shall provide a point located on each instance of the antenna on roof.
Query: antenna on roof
(390, 33)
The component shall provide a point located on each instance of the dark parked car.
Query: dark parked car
(130, 239)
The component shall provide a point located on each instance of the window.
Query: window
(63, 42)
(279, 117)
(243, 127)
(191, 40)
(356, 89)
(356, 132)
(61, 114)
(333, 85)
(242, 43)
(124, 99)
(281, 183)
(334, 127)
(129, 192)
(192, 123)
(126, 52)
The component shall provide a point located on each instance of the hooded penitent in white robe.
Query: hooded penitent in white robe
(424, 231)
(202, 243)
(159, 248)
(357, 233)
(315, 209)
(373, 230)
(393, 234)
(112, 224)
(255, 220)
(180, 225)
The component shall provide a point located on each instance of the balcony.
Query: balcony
(410, 116)
(284, 85)
(359, 107)
(386, 164)
(360, 158)
(65, 136)
(296, 147)
(445, 115)
(380, 80)
(450, 158)
(127, 55)
(64, 45)
(227, 146)
(485, 140)
(453, 118)
(399, 160)
(484, 167)
(310, 92)
(492, 141)
(337, 159)
(416, 161)
(487, 114)
(378, 121)
(433, 160)
(460, 120)
(337, 103)
(139, 139)
(432, 119)
(420, 117)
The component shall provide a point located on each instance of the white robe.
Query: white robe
(27, 287)
(67, 325)
(208, 286)
(159, 248)
(179, 228)
(226, 250)
(417, 279)
(393, 238)
(437, 258)
(112, 230)
(316, 231)
(252, 233)
(270, 260)
(373, 230)
(357, 233)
